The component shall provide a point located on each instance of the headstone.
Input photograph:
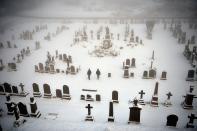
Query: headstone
(190, 124)
(2, 91)
(7, 88)
(36, 68)
(89, 98)
(115, 97)
(172, 120)
(12, 67)
(47, 91)
(58, 93)
(163, 75)
(23, 92)
(111, 112)
(89, 117)
(190, 75)
(23, 109)
(66, 93)
(188, 102)
(36, 90)
(141, 100)
(128, 62)
(14, 90)
(126, 73)
(34, 109)
(82, 97)
(98, 97)
(41, 68)
(133, 62)
(168, 102)
(152, 74)
(134, 115)
(72, 70)
(145, 75)
(154, 101)
(9, 105)
(52, 69)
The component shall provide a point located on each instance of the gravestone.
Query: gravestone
(47, 69)
(172, 120)
(52, 69)
(133, 62)
(111, 112)
(154, 100)
(41, 68)
(23, 92)
(145, 75)
(58, 93)
(190, 124)
(36, 68)
(36, 90)
(188, 102)
(134, 115)
(47, 91)
(66, 93)
(128, 62)
(23, 109)
(14, 90)
(9, 105)
(60, 56)
(190, 75)
(12, 67)
(115, 97)
(141, 100)
(89, 98)
(57, 70)
(65, 58)
(34, 109)
(163, 75)
(7, 88)
(82, 97)
(168, 102)
(89, 117)
(152, 74)
(126, 73)
(98, 97)
(72, 70)
(2, 91)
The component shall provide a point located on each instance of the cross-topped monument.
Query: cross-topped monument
(89, 117)
(192, 117)
(142, 93)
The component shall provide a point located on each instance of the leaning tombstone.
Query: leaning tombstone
(172, 120)
(23, 109)
(34, 109)
(7, 88)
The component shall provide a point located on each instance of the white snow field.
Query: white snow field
(71, 114)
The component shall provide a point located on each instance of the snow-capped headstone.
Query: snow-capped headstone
(36, 90)
(134, 115)
(111, 112)
(188, 102)
(154, 100)
(23, 109)
(172, 120)
(89, 117)
(34, 109)
(190, 124)
(9, 105)
(58, 93)
(141, 100)
(66, 93)
(47, 91)
(168, 102)
(115, 97)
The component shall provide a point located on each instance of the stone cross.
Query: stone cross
(89, 109)
(169, 95)
(141, 94)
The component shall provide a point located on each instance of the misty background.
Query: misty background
(99, 8)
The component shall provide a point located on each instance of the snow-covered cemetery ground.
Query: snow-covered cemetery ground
(153, 55)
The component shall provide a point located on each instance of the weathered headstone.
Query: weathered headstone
(36, 68)
(2, 91)
(168, 102)
(41, 68)
(36, 90)
(7, 88)
(47, 91)
(23, 109)
(134, 115)
(152, 74)
(145, 75)
(9, 105)
(66, 93)
(98, 97)
(126, 73)
(58, 93)
(115, 97)
(190, 75)
(172, 120)
(133, 62)
(188, 102)
(72, 70)
(190, 124)
(141, 100)
(163, 75)
(34, 109)
(14, 90)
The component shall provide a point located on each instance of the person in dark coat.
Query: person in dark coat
(98, 73)
(89, 73)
